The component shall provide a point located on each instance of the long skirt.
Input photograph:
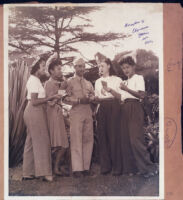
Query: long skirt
(37, 150)
(108, 128)
(135, 154)
(56, 125)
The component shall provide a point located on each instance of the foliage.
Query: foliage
(54, 28)
(17, 101)
(18, 75)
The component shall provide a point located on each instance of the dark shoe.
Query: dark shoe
(28, 178)
(77, 174)
(65, 172)
(87, 173)
(106, 172)
(116, 173)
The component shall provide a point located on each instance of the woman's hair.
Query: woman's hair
(53, 64)
(127, 60)
(111, 69)
(36, 66)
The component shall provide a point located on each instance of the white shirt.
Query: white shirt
(136, 83)
(113, 82)
(34, 85)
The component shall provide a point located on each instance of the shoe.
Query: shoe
(106, 172)
(87, 173)
(116, 173)
(48, 178)
(65, 172)
(77, 174)
(28, 178)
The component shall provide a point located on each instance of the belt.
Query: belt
(131, 100)
(107, 99)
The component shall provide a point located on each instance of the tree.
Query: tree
(53, 27)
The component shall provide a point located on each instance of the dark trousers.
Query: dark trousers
(108, 128)
(133, 121)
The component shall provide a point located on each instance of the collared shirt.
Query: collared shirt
(113, 82)
(78, 87)
(136, 83)
(34, 85)
(52, 86)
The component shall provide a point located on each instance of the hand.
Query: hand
(52, 103)
(92, 99)
(103, 92)
(107, 89)
(123, 87)
(96, 100)
(56, 96)
(104, 83)
(84, 100)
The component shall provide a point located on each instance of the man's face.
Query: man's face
(56, 72)
(80, 69)
(128, 69)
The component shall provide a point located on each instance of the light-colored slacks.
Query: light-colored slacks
(37, 150)
(81, 134)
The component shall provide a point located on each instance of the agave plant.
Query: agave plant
(18, 75)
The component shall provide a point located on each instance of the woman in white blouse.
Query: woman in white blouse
(134, 150)
(37, 150)
(108, 119)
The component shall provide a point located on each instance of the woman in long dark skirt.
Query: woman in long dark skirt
(133, 149)
(108, 120)
(132, 122)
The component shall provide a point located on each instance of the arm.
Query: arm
(69, 99)
(38, 101)
(139, 94)
(115, 94)
(140, 88)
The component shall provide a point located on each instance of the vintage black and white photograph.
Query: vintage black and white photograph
(84, 100)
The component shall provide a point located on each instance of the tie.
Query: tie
(82, 86)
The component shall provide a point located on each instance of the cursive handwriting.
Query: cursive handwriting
(141, 30)
(133, 24)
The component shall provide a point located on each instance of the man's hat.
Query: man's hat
(79, 61)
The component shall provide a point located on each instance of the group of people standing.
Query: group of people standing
(120, 121)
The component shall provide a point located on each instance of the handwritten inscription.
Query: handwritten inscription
(141, 30)
(170, 132)
(172, 65)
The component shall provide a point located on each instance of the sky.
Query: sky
(113, 17)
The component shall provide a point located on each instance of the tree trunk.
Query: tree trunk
(56, 46)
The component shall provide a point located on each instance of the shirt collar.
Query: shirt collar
(53, 80)
(78, 77)
(34, 77)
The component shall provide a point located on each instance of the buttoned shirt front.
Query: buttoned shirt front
(34, 85)
(79, 87)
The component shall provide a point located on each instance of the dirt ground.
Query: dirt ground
(97, 185)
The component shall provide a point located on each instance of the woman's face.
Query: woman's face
(57, 72)
(128, 70)
(103, 68)
(42, 68)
